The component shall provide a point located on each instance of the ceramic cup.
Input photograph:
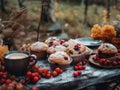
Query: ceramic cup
(18, 62)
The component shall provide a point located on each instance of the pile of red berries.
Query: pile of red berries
(56, 72)
(9, 82)
(12, 86)
(31, 77)
(37, 73)
(78, 67)
(107, 62)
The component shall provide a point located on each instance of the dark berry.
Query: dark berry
(54, 73)
(118, 50)
(114, 63)
(75, 74)
(76, 68)
(50, 43)
(57, 70)
(31, 59)
(61, 71)
(66, 58)
(35, 79)
(29, 74)
(84, 62)
(83, 67)
(79, 72)
(76, 48)
(48, 75)
(62, 41)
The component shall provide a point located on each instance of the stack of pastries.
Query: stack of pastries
(59, 52)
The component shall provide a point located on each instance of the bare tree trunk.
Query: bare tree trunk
(47, 11)
(2, 6)
(108, 4)
(21, 3)
(52, 11)
(85, 11)
(115, 2)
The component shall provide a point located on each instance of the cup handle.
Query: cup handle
(34, 61)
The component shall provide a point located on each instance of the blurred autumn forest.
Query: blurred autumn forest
(25, 21)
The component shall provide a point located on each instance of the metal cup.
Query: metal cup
(18, 66)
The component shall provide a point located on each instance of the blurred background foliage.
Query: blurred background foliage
(65, 18)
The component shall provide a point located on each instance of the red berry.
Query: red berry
(108, 61)
(119, 63)
(8, 81)
(45, 70)
(80, 68)
(36, 74)
(5, 73)
(23, 82)
(2, 68)
(61, 71)
(29, 74)
(35, 79)
(39, 76)
(76, 67)
(94, 58)
(48, 75)
(2, 80)
(57, 70)
(78, 64)
(84, 62)
(75, 74)
(27, 78)
(35, 67)
(54, 73)
(79, 72)
(39, 70)
(34, 88)
(33, 74)
(31, 59)
(83, 67)
(105, 62)
(4, 76)
(100, 61)
(62, 41)
(114, 63)
(118, 50)
(1, 73)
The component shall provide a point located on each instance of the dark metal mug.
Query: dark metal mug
(19, 66)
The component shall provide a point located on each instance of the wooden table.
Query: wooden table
(92, 78)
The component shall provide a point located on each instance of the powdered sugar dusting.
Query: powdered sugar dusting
(107, 48)
(59, 57)
(38, 46)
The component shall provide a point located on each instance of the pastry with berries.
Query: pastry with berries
(59, 59)
(77, 52)
(107, 50)
(39, 49)
(107, 56)
(52, 41)
(57, 48)
(70, 42)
